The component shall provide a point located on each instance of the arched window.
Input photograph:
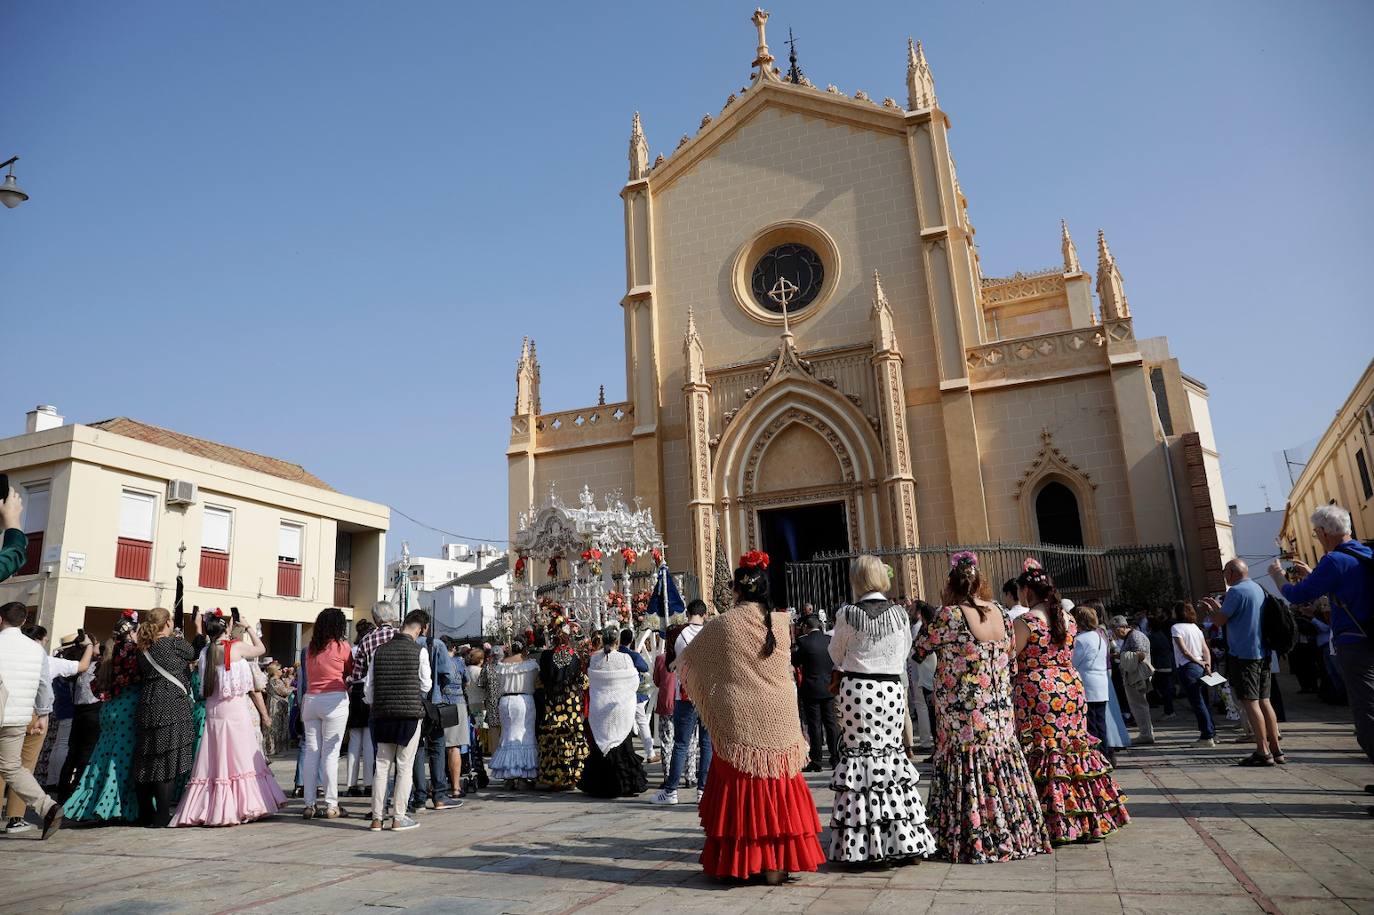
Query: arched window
(1056, 515)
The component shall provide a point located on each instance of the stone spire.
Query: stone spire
(1111, 294)
(884, 337)
(920, 84)
(1066, 245)
(639, 150)
(692, 350)
(763, 63)
(527, 380)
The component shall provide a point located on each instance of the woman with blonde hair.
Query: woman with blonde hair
(878, 815)
(164, 742)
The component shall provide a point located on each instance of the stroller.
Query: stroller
(474, 763)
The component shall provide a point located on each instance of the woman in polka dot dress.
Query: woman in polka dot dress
(106, 791)
(983, 805)
(878, 815)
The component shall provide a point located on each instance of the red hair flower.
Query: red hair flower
(129, 615)
(754, 559)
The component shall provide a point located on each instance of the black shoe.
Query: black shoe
(1369, 789)
(812, 766)
(355, 791)
(53, 821)
(299, 791)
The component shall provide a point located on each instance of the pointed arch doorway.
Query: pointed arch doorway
(796, 533)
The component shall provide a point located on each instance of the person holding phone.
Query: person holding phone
(14, 548)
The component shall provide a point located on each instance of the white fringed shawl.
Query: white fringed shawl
(614, 681)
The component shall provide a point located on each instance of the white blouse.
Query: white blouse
(858, 652)
(518, 678)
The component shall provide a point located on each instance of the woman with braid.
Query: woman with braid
(757, 811)
(1080, 798)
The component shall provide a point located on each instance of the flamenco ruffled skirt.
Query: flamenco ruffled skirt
(518, 755)
(878, 814)
(106, 791)
(1080, 797)
(619, 773)
(230, 782)
(983, 804)
(757, 824)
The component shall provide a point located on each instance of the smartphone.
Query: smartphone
(4, 486)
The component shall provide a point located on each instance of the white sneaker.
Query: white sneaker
(403, 822)
(701, 793)
(1206, 742)
(17, 825)
(665, 797)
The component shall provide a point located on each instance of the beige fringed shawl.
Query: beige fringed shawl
(748, 703)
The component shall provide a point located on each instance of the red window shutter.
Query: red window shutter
(214, 569)
(133, 558)
(35, 555)
(288, 579)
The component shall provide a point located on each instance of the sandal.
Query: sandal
(1257, 759)
(1280, 759)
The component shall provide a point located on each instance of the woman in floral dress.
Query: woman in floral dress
(1081, 799)
(982, 804)
(562, 738)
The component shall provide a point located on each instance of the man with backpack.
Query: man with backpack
(1345, 575)
(1241, 611)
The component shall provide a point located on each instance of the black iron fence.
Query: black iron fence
(1128, 577)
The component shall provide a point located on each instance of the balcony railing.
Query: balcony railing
(214, 569)
(343, 589)
(134, 559)
(288, 579)
(34, 556)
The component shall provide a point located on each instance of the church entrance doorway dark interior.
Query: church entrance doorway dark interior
(797, 534)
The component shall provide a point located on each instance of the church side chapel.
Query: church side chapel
(814, 360)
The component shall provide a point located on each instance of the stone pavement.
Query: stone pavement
(1205, 837)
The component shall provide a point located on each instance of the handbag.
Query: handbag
(438, 715)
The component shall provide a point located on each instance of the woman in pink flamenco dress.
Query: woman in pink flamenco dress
(230, 782)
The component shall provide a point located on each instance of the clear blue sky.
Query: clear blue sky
(319, 230)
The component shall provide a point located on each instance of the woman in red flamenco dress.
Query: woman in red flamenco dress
(757, 810)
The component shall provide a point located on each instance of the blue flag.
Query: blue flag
(666, 599)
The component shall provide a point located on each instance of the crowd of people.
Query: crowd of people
(1020, 704)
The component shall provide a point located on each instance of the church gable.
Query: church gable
(850, 185)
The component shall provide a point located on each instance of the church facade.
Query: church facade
(814, 359)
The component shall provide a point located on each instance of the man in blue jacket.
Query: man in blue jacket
(1343, 576)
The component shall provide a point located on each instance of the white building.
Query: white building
(462, 588)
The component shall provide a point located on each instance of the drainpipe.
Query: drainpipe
(1178, 519)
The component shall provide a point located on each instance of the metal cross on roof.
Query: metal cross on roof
(783, 292)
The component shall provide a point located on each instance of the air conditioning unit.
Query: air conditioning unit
(181, 492)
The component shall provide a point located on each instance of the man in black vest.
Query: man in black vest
(397, 678)
(812, 657)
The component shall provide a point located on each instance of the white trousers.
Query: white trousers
(359, 756)
(646, 736)
(324, 717)
(403, 758)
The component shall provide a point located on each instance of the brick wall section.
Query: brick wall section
(603, 469)
(1080, 413)
(1195, 469)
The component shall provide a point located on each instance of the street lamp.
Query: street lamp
(10, 194)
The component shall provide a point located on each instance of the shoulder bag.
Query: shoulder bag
(182, 687)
